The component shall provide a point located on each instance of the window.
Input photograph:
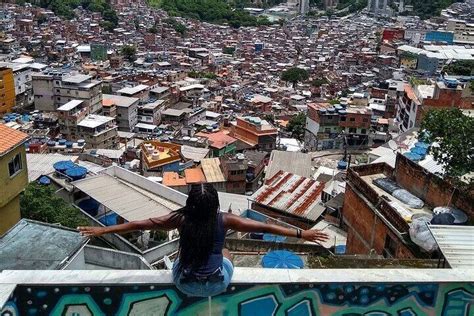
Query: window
(352, 119)
(352, 130)
(390, 247)
(365, 120)
(363, 131)
(14, 166)
(343, 118)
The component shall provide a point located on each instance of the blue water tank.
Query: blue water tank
(76, 172)
(62, 142)
(69, 144)
(81, 142)
(44, 180)
(62, 166)
(342, 165)
(422, 145)
(413, 156)
(419, 151)
(90, 206)
(51, 143)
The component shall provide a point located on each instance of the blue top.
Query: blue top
(215, 259)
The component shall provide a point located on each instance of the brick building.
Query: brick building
(326, 124)
(255, 133)
(377, 222)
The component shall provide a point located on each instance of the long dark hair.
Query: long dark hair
(198, 226)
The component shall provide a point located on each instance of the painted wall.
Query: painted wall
(453, 299)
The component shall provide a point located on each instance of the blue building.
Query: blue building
(440, 36)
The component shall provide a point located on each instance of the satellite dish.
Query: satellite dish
(393, 145)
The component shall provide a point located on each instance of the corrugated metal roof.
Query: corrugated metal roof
(294, 162)
(42, 164)
(127, 200)
(292, 194)
(456, 243)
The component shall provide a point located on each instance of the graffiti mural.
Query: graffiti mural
(247, 300)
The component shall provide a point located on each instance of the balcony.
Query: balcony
(253, 291)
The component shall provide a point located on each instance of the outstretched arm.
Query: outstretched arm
(245, 225)
(166, 222)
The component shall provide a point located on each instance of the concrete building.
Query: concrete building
(55, 89)
(69, 116)
(256, 133)
(463, 31)
(7, 90)
(98, 131)
(126, 110)
(329, 127)
(22, 80)
(149, 113)
(13, 175)
(378, 222)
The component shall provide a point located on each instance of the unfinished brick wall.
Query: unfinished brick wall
(366, 230)
(431, 188)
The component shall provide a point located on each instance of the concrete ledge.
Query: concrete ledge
(241, 276)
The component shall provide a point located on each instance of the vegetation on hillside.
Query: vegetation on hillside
(178, 27)
(460, 68)
(452, 131)
(65, 8)
(296, 126)
(294, 75)
(428, 8)
(39, 202)
(213, 11)
(129, 52)
(200, 74)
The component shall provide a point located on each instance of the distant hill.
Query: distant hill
(213, 11)
(426, 9)
(64, 8)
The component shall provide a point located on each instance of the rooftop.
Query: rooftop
(133, 90)
(218, 140)
(300, 163)
(10, 138)
(292, 194)
(70, 105)
(211, 167)
(119, 100)
(17, 251)
(93, 121)
(76, 78)
(129, 195)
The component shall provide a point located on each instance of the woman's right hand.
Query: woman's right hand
(90, 231)
(314, 235)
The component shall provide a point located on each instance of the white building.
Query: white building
(52, 90)
(127, 111)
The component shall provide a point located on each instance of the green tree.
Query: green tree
(319, 82)
(460, 68)
(296, 126)
(39, 202)
(452, 131)
(228, 50)
(129, 52)
(294, 75)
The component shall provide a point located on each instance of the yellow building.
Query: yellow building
(13, 175)
(7, 90)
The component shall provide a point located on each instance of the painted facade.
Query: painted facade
(427, 299)
(7, 90)
(10, 187)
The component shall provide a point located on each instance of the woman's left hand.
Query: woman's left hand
(314, 235)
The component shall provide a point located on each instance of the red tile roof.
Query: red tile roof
(219, 139)
(9, 138)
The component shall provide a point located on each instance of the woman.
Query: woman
(204, 267)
